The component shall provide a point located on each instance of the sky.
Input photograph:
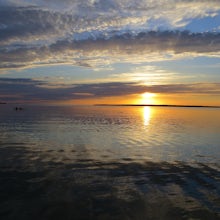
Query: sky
(110, 52)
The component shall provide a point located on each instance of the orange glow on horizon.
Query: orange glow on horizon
(147, 98)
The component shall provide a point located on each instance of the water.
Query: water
(102, 162)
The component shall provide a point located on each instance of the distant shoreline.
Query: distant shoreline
(152, 105)
(128, 105)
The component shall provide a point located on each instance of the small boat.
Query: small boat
(18, 108)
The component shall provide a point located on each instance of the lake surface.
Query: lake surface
(103, 162)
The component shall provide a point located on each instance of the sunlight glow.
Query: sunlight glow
(148, 98)
(148, 95)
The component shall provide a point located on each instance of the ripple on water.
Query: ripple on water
(111, 163)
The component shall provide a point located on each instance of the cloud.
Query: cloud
(102, 51)
(97, 34)
(102, 14)
(149, 75)
(94, 33)
(35, 90)
(42, 21)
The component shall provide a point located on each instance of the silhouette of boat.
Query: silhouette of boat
(18, 108)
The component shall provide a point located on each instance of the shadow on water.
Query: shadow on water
(33, 186)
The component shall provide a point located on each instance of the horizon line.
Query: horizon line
(160, 105)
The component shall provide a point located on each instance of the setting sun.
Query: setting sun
(148, 98)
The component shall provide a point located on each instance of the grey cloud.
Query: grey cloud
(115, 47)
(32, 24)
(33, 21)
(31, 90)
(46, 32)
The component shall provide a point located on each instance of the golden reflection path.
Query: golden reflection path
(147, 114)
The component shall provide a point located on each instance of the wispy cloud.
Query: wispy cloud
(149, 75)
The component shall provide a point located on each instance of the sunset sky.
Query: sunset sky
(110, 51)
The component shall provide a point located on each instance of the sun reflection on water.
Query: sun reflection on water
(146, 115)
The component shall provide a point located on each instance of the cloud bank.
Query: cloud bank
(126, 47)
(93, 33)
(24, 20)
(34, 90)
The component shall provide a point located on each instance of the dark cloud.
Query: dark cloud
(22, 24)
(32, 90)
(17, 23)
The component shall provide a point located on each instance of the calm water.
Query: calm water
(109, 163)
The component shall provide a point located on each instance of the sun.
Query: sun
(148, 98)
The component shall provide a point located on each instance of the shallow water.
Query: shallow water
(109, 162)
